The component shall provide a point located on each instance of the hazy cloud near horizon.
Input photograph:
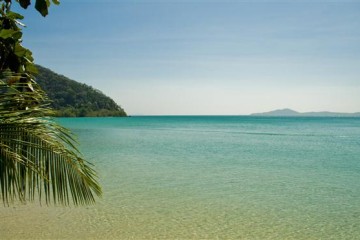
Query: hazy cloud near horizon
(187, 57)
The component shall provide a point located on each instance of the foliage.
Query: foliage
(73, 99)
(38, 158)
(40, 5)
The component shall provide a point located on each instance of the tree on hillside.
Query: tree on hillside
(73, 99)
(38, 158)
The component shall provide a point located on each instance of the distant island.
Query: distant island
(74, 99)
(290, 112)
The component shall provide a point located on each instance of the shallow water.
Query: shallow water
(209, 177)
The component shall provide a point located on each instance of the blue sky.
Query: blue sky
(206, 57)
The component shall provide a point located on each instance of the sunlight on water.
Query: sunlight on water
(210, 177)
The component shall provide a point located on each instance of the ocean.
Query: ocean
(209, 177)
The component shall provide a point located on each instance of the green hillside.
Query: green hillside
(74, 99)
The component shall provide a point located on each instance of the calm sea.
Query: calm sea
(207, 177)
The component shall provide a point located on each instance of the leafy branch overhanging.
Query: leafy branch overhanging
(38, 157)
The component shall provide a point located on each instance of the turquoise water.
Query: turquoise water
(212, 177)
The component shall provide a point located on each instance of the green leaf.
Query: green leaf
(39, 157)
(42, 7)
(17, 35)
(7, 33)
(31, 68)
(24, 3)
(20, 51)
(56, 2)
(14, 15)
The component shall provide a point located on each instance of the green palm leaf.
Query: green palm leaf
(38, 157)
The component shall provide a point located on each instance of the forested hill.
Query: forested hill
(74, 99)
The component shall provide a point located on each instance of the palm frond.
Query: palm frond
(38, 157)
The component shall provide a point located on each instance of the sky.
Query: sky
(205, 57)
